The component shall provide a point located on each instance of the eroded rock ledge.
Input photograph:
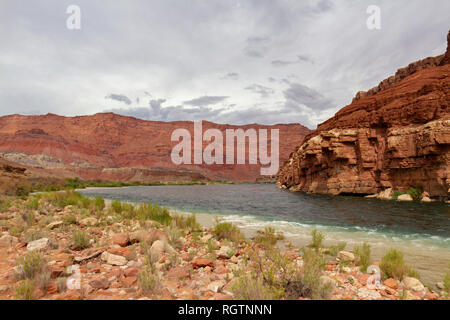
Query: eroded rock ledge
(397, 137)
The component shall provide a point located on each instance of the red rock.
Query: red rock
(99, 283)
(391, 283)
(430, 296)
(121, 239)
(202, 262)
(92, 143)
(179, 273)
(131, 272)
(362, 279)
(222, 296)
(221, 270)
(70, 295)
(56, 271)
(127, 282)
(395, 136)
(52, 289)
(124, 252)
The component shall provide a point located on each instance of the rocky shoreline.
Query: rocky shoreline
(63, 246)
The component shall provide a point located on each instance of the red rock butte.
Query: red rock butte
(396, 135)
(111, 147)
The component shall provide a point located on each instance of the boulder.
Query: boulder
(113, 259)
(122, 239)
(391, 283)
(8, 241)
(405, 197)
(40, 244)
(386, 194)
(55, 224)
(201, 263)
(346, 256)
(99, 283)
(225, 252)
(159, 246)
(91, 221)
(413, 284)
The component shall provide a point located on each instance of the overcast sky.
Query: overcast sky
(228, 61)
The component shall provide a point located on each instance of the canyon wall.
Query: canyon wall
(111, 147)
(396, 135)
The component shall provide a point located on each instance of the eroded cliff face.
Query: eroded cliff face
(394, 136)
(117, 148)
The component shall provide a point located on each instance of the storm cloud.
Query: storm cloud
(225, 61)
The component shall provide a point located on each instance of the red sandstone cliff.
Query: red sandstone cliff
(396, 135)
(113, 147)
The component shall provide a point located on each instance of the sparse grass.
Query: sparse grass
(227, 230)
(362, 254)
(29, 217)
(34, 234)
(99, 203)
(393, 266)
(30, 265)
(252, 287)
(313, 266)
(43, 280)
(25, 290)
(149, 281)
(335, 249)
(447, 282)
(317, 240)
(80, 240)
(116, 205)
(268, 237)
(16, 231)
(61, 284)
(32, 204)
(69, 219)
(173, 235)
(187, 223)
(5, 204)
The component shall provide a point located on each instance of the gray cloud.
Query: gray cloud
(263, 91)
(179, 49)
(230, 76)
(205, 101)
(119, 97)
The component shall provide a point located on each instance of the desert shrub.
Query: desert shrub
(99, 203)
(61, 284)
(415, 193)
(16, 231)
(43, 280)
(268, 237)
(393, 266)
(335, 249)
(227, 230)
(447, 282)
(69, 219)
(317, 240)
(252, 287)
(148, 280)
(32, 204)
(30, 265)
(29, 217)
(397, 194)
(187, 223)
(362, 254)
(313, 266)
(116, 205)
(25, 290)
(5, 204)
(173, 235)
(68, 198)
(34, 234)
(80, 240)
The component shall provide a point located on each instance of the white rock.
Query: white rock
(55, 224)
(405, 197)
(346, 256)
(386, 194)
(8, 241)
(365, 293)
(325, 280)
(113, 259)
(216, 286)
(225, 252)
(40, 244)
(159, 246)
(413, 284)
(426, 199)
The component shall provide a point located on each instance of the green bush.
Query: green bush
(313, 266)
(317, 240)
(80, 240)
(268, 237)
(149, 281)
(415, 193)
(252, 287)
(70, 219)
(362, 254)
(33, 234)
(5, 204)
(393, 266)
(335, 249)
(397, 194)
(30, 265)
(32, 204)
(116, 205)
(227, 230)
(99, 203)
(25, 290)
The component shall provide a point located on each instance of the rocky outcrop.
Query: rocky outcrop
(118, 148)
(396, 136)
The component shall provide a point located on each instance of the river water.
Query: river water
(420, 230)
